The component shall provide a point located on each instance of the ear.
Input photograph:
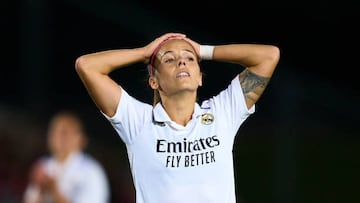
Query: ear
(153, 83)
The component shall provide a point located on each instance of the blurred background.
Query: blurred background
(301, 146)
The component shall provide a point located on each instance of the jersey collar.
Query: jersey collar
(160, 114)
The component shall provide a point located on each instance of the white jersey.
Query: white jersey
(177, 164)
(81, 179)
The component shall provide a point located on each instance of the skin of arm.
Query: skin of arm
(94, 69)
(259, 61)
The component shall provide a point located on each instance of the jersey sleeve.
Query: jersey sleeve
(230, 105)
(130, 116)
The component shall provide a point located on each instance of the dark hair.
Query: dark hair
(69, 114)
(156, 98)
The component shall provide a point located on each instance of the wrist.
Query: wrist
(206, 52)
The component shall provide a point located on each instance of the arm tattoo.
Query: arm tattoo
(253, 85)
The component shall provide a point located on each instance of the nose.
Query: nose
(181, 62)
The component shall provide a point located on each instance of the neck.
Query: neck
(62, 157)
(179, 107)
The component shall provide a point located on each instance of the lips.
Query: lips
(182, 74)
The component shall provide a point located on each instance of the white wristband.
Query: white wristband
(206, 52)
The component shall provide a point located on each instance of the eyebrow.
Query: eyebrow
(170, 51)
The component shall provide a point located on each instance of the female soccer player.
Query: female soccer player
(179, 151)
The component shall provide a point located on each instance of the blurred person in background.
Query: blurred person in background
(68, 174)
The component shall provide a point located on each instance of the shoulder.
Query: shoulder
(86, 163)
(45, 160)
(129, 107)
(89, 159)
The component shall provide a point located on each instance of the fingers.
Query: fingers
(173, 35)
(194, 44)
(150, 48)
(168, 36)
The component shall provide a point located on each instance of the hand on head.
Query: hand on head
(152, 46)
(195, 45)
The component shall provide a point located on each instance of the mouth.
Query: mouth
(182, 74)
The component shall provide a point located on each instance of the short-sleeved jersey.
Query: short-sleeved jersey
(176, 164)
(81, 179)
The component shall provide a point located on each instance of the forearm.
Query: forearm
(259, 59)
(107, 61)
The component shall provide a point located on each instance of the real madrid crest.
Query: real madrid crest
(207, 118)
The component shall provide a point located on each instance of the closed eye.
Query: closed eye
(190, 58)
(169, 60)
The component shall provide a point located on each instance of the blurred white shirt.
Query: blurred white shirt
(81, 179)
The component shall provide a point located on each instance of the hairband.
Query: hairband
(152, 58)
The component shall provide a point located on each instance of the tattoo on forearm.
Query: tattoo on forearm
(253, 85)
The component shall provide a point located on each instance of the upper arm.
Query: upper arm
(104, 91)
(253, 86)
(259, 69)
